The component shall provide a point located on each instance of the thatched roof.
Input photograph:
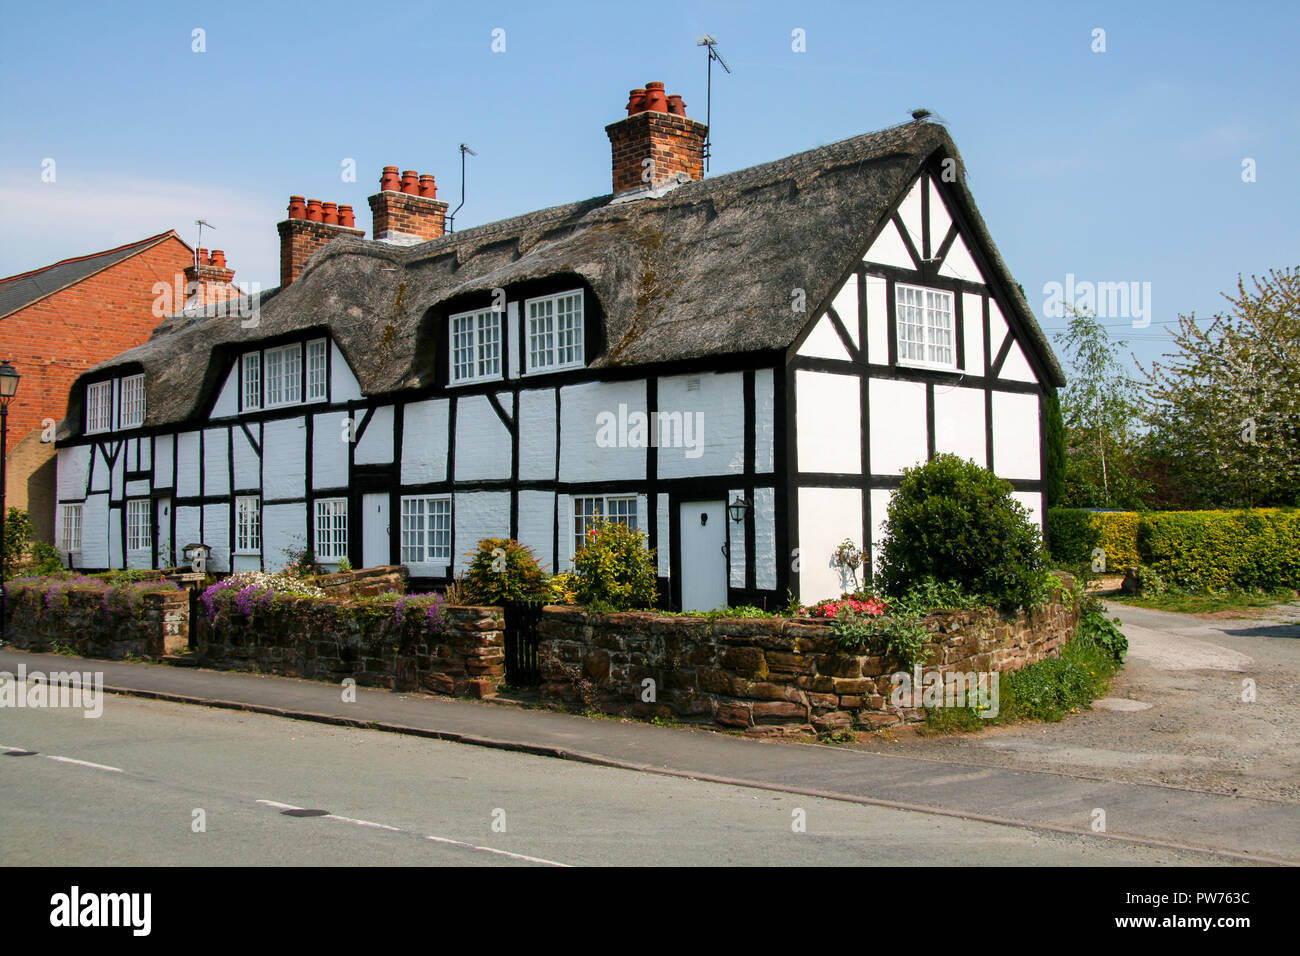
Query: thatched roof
(704, 270)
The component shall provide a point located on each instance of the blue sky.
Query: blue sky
(1115, 166)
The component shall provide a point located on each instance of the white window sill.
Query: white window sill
(929, 366)
(475, 381)
(550, 369)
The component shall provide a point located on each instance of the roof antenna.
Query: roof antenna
(200, 223)
(710, 41)
(451, 220)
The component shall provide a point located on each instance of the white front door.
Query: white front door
(374, 529)
(162, 517)
(704, 555)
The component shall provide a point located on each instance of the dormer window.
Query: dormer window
(475, 346)
(132, 401)
(283, 367)
(924, 327)
(99, 407)
(555, 332)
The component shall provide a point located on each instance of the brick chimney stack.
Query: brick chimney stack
(407, 209)
(311, 225)
(210, 280)
(656, 143)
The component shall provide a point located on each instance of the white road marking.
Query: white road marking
(85, 763)
(433, 839)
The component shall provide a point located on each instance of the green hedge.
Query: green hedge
(1217, 550)
(1193, 550)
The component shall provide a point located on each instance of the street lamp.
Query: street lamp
(738, 508)
(8, 387)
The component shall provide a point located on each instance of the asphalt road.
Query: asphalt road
(124, 789)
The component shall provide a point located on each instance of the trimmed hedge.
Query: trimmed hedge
(1217, 550)
(1193, 550)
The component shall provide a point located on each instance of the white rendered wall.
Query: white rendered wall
(829, 423)
(765, 556)
(959, 423)
(537, 525)
(478, 515)
(282, 470)
(283, 526)
(581, 458)
(424, 442)
(898, 431)
(1015, 435)
(216, 462)
(482, 439)
(376, 445)
(329, 452)
(712, 417)
(826, 517)
(764, 421)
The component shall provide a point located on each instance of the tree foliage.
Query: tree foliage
(1225, 404)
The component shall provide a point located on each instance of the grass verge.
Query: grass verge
(1184, 603)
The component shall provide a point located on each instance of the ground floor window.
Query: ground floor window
(331, 529)
(588, 508)
(248, 525)
(138, 537)
(426, 530)
(70, 540)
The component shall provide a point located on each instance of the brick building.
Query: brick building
(58, 321)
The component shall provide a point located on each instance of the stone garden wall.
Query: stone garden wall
(326, 639)
(80, 621)
(769, 676)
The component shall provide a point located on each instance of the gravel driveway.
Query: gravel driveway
(1175, 715)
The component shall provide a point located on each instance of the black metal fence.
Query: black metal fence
(522, 667)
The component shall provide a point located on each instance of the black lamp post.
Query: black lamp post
(8, 386)
(738, 508)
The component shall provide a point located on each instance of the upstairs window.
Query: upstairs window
(555, 327)
(132, 401)
(253, 380)
(283, 375)
(475, 346)
(924, 327)
(99, 407)
(317, 365)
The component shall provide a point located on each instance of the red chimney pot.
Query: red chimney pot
(411, 182)
(330, 213)
(313, 210)
(676, 105)
(390, 181)
(428, 188)
(203, 256)
(655, 100)
(218, 258)
(635, 101)
(297, 207)
(346, 218)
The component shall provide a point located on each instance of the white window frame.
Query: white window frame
(547, 341)
(930, 328)
(252, 381)
(419, 538)
(139, 533)
(248, 524)
(99, 407)
(132, 399)
(317, 362)
(484, 351)
(601, 509)
(290, 386)
(336, 508)
(70, 532)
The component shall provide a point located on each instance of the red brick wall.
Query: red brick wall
(675, 143)
(54, 340)
(299, 238)
(407, 214)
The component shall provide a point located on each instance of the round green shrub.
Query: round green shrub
(504, 572)
(615, 569)
(955, 522)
